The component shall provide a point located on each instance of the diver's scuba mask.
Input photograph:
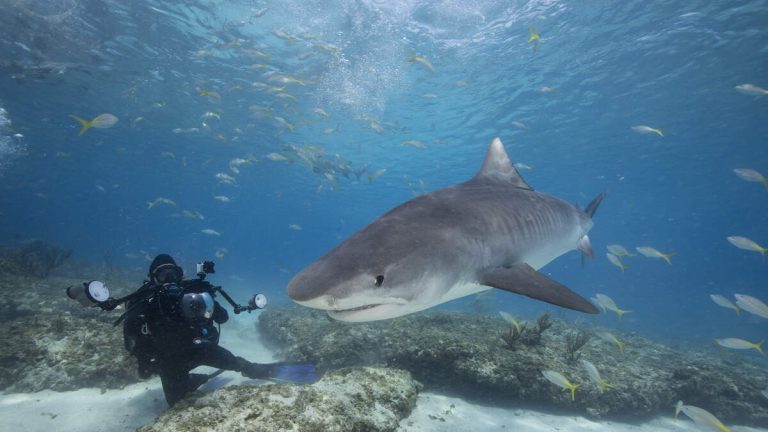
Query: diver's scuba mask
(167, 274)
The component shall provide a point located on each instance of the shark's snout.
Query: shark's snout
(300, 289)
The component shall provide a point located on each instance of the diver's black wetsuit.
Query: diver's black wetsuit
(166, 343)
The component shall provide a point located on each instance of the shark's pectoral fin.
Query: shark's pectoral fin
(523, 279)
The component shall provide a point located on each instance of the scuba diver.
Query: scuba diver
(169, 326)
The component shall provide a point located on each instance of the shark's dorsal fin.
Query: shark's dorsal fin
(498, 168)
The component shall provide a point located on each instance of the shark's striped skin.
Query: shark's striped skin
(491, 231)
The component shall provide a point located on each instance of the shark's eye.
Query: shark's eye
(379, 280)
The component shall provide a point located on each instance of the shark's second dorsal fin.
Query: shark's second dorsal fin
(498, 168)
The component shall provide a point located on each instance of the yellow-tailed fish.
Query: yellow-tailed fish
(647, 130)
(185, 131)
(285, 123)
(226, 178)
(619, 250)
(222, 198)
(211, 95)
(650, 252)
(372, 176)
(286, 79)
(594, 375)
(746, 244)
(546, 89)
(610, 337)
(724, 302)
(211, 114)
(254, 52)
(376, 126)
(321, 112)
(234, 164)
(519, 125)
(221, 253)
(597, 303)
(288, 96)
(510, 319)
(533, 35)
(160, 200)
(295, 227)
(750, 175)
(192, 214)
(101, 121)
(415, 144)
(703, 418)
(277, 157)
(752, 305)
(559, 380)
(609, 304)
(211, 232)
(751, 89)
(521, 165)
(615, 261)
(284, 36)
(168, 154)
(423, 60)
(678, 408)
(740, 344)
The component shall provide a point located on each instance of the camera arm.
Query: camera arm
(252, 304)
(236, 307)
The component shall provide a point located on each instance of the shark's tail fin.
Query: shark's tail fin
(592, 206)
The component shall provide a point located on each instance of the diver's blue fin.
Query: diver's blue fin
(300, 373)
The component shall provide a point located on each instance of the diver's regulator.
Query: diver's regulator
(96, 294)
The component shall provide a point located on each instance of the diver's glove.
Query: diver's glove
(301, 373)
(108, 304)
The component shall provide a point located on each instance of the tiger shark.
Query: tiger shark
(493, 231)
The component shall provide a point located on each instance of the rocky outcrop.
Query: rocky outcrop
(350, 399)
(466, 354)
(62, 352)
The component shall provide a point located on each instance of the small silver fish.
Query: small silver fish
(653, 253)
(751, 90)
(746, 244)
(615, 261)
(647, 130)
(619, 250)
(724, 302)
(750, 175)
(703, 418)
(739, 344)
(752, 305)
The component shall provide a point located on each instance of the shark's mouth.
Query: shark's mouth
(355, 309)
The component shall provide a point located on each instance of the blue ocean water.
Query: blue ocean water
(331, 82)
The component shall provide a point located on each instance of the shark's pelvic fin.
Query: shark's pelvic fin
(523, 279)
(498, 168)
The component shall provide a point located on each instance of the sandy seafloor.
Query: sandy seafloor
(91, 410)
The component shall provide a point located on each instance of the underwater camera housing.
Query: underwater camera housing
(90, 293)
(205, 268)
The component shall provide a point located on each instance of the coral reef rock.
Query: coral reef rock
(62, 352)
(33, 258)
(466, 355)
(350, 399)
